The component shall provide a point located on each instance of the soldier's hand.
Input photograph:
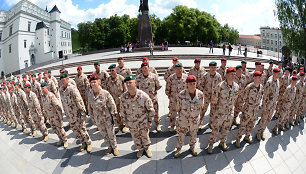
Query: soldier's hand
(28, 112)
(149, 124)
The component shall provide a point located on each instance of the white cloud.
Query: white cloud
(248, 17)
(73, 14)
(164, 7)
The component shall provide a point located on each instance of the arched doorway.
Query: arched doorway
(32, 59)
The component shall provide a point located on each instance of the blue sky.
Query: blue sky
(244, 15)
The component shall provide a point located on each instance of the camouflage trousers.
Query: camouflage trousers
(13, 118)
(173, 112)
(58, 127)
(156, 107)
(205, 107)
(182, 134)
(85, 99)
(221, 121)
(141, 138)
(279, 103)
(247, 122)
(20, 118)
(266, 116)
(39, 123)
(107, 130)
(79, 130)
(283, 117)
(238, 107)
(28, 118)
(119, 118)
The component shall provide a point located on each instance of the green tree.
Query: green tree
(292, 18)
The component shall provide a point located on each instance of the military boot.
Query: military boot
(258, 136)
(223, 146)
(237, 143)
(34, 133)
(8, 122)
(193, 151)
(248, 139)
(12, 124)
(89, 148)
(65, 144)
(149, 153)
(287, 125)
(200, 127)
(275, 131)
(263, 136)
(172, 128)
(17, 126)
(60, 142)
(177, 153)
(210, 125)
(210, 148)
(282, 128)
(139, 153)
(158, 128)
(108, 151)
(83, 146)
(46, 138)
(236, 123)
(24, 130)
(115, 152)
(291, 123)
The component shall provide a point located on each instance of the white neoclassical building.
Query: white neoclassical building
(30, 35)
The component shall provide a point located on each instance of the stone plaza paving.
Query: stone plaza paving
(285, 153)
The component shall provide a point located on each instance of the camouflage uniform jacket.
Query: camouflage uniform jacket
(283, 82)
(289, 96)
(300, 88)
(271, 90)
(14, 102)
(73, 104)
(55, 81)
(22, 99)
(136, 111)
(170, 71)
(51, 105)
(208, 83)
(103, 76)
(82, 83)
(116, 87)
(197, 72)
(151, 69)
(175, 85)
(251, 97)
(149, 85)
(221, 71)
(124, 71)
(103, 106)
(51, 86)
(241, 81)
(36, 89)
(224, 97)
(34, 106)
(189, 109)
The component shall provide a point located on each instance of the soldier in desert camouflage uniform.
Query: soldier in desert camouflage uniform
(174, 85)
(53, 111)
(51, 85)
(122, 69)
(171, 69)
(5, 117)
(197, 70)
(269, 71)
(40, 78)
(24, 81)
(280, 64)
(224, 98)
(1, 106)
(251, 98)
(101, 73)
(150, 84)
(116, 87)
(240, 79)
(151, 68)
(283, 82)
(137, 112)
(245, 71)
(269, 101)
(102, 109)
(208, 83)
(75, 111)
(71, 81)
(189, 105)
(285, 111)
(221, 70)
(7, 106)
(250, 77)
(82, 84)
(53, 79)
(10, 108)
(16, 110)
(37, 90)
(23, 105)
(35, 112)
(297, 103)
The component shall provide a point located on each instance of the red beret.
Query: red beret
(94, 77)
(258, 63)
(46, 72)
(279, 62)
(191, 78)
(120, 58)
(144, 64)
(294, 78)
(302, 73)
(23, 76)
(30, 74)
(65, 71)
(175, 58)
(223, 59)
(294, 71)
(262, 65)
(79, 67)
(231, 69)
(18, 76)
(301, 68)
(197, 60)
(257, 73)
(276, 70)
(27, 85)
(145, 59)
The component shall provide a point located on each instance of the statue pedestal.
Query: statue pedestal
(145, 28)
